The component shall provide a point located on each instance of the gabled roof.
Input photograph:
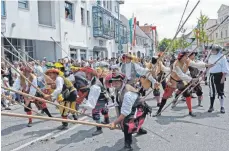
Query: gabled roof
(223, 6)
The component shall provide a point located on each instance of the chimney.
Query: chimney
(138, 23)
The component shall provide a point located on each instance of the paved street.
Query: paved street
(173, 131)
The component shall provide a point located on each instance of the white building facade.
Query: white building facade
(83, 29)
(222, 33)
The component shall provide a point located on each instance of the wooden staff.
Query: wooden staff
(39, 90)
(10, 99)
(191, 85)
(43, 100)
(23, 53)
(197, 46)
(56, 119)
(177, 32)
(203, 74)
(24, 62)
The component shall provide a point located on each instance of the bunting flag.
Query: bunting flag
(132, 24)
(131, 30)
(134, 28)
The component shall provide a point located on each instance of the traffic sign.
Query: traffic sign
(120, 47)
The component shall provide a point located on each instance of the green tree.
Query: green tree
(164, 43)
(200, 34)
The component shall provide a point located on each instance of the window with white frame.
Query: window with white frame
(104, 4)
(226, 34)
(221, 34)
(110, 5)
(3, 8)
(82, 16)
(88, 18)
(45, 12)
(23, 4)
(68, 10)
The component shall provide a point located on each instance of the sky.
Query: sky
(166, 14)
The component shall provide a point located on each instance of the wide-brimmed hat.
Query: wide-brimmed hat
(53, 70)
(216, 48)
(117, 77)
(88, 70)
(181, 55)
(125, 56)
(193, 53)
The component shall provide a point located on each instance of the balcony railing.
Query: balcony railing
(103, 23)
(121, 1)
(123, 33)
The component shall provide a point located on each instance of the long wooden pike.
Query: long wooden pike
(23, 53)
(197, 46)
(10, 99)
(56, 119)
(39, 90)
(43, 100)
(177, 32)
(23, 61)
(190, 86)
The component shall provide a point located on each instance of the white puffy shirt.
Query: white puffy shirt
(221, 66)
(183, 76)
(128, 102)
(32, 90)
(59, 87)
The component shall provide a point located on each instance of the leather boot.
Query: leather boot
(64, 126)
(191, 114)
(98, 131)
(106, 121)
(127, 146)
(142, 131)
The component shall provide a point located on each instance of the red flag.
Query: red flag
(134, 39)
(153, 27)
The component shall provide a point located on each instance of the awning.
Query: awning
(77, 45)
(96, 48)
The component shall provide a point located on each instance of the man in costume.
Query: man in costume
(194, 72)
(131, 70)
(97, 98)
(64, 92)
(157, 69)
(132, 110)
(217, 77)
(21, 84)
(178, 77)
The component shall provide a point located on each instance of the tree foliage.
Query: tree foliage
(200, 33)
(164, 43)
(179, 43)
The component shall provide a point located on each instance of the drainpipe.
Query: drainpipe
(119, 42)
(59, 27)
(86, 27)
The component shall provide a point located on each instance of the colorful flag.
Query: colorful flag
(132, 24)
(131, 30)
(134, 29)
